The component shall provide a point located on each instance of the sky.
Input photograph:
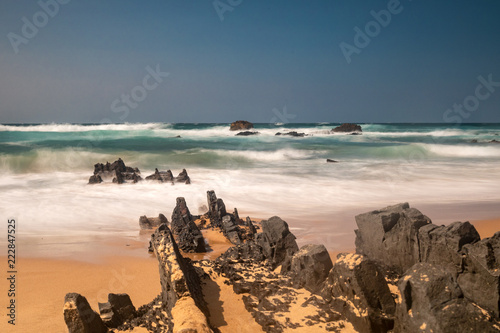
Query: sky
(264, 61)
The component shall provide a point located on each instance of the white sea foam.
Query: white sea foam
(81, 128)
(463, 150)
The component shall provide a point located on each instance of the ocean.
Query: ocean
(449, 172)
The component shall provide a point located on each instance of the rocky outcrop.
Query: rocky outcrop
(356, 288)
(79, 316)
(347, 128)
(117, 310)
(310, 267)
(329, 160)
(432, 301)
(442, 245)
(95, 179)
(181, 286)
(161, 176)
(277, 242)
(390, 236)
(183, 177)
(117, 171)
(152, 222)
(189, 237)
(247, 133)
(292, 133)
(216, 209)
(241, 125)
(480, 279)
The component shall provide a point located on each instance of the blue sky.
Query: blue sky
(84, 60)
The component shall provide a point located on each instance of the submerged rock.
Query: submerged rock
(183, 177)
(161, 176)
(293, 133)
(95, 179)
(240, 125)
(247, 133)
(117, 171)
(347, 127)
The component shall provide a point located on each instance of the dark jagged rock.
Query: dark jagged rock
(432, 301)
(241, 125)
(251, 228)
(95, 179)
(480, 280)
(247, 251)
(494, 141)
(356, 287)
(347, 127)
(310, 267)
(442, 245)
(183, 177)
(292, 133)
(188, 235)
(180, 283)
(277, 241)
(118, 171)
(331, 161)
(152, 222)
(117, 310)
(79, 316)
(390, 236)
(247, 133)
(231, 229)
(161, 176)
(153, 316)
(216, 209)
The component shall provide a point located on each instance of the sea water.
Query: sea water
(448, 172)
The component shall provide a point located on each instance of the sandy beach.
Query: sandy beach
(122, 266)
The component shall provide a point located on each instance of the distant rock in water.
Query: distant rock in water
(329, 160)
(347, 128)
(161, 176)
(183, 177)
(247, 133)
(117, 171)
(494, 141)
(241, 125)
(293, 133)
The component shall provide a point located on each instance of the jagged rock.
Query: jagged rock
(247, 133)
(181, 285)
(248, 250)
(231, 230)
(310, 267)
(79, 316)
(390, 236)
(163, 176)
(251, 228)
(480, 280)
(442, 245)
(240, 125)
(293, 133)
(356, 288)
(118, 309)
(183, 177)
(188, 235)
(216, 209)
(432, 301)
(152, 222)
(277, 242)
(118, 179)
(95, 179)
(347, 127)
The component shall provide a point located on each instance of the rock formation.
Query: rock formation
(241, 125)
(189, 237)
(79, 316)
(293, 133)
(310, 267)
(152, 222)
(117, 171)
(247, 133)
(347, 127)
(161, 176)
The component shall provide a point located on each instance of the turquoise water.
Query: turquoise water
(45, 168)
